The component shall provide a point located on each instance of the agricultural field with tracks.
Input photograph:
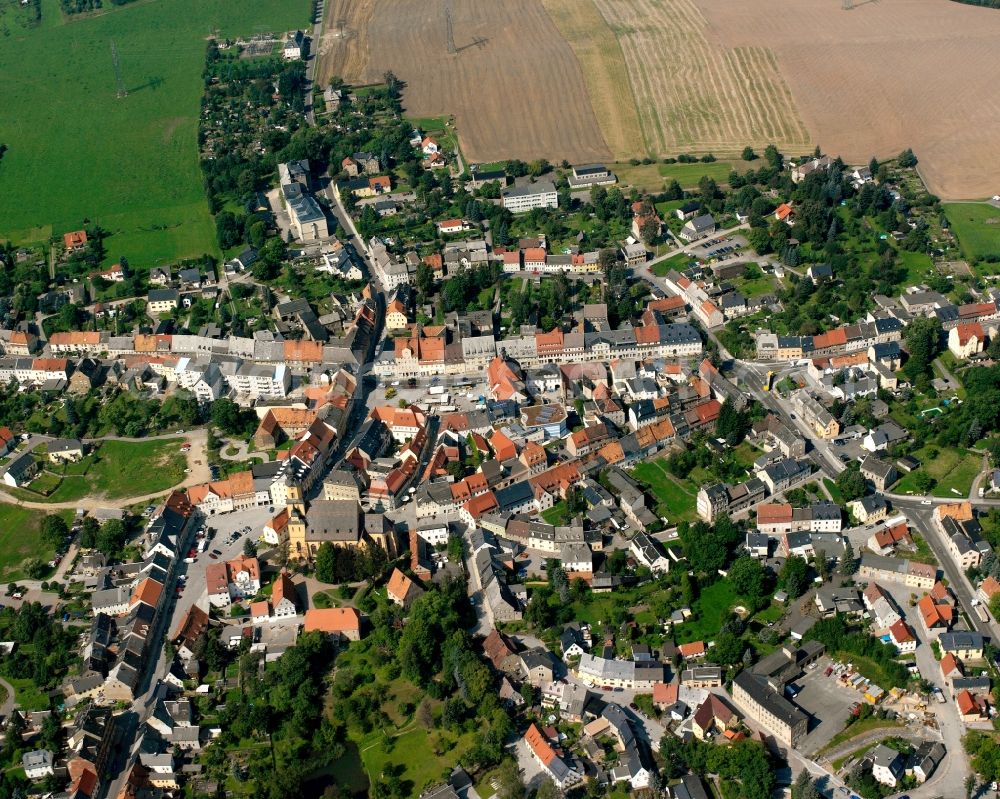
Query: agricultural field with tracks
(694, 95)
(513, 85)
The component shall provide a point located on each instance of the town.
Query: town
(470, 480)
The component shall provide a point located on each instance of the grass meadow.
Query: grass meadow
(977, 226)
(77, 152)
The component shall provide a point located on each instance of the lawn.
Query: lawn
(710, 609)
(413, 752)
(558, 514)
(678, 262)
(28, 696)
(129, 164)
(20, 539)
(977, 226)
(676, 503)
(917, 264)
(856, 729)
(122, 469)
(953, 468)
(834, 490)
(652, 177)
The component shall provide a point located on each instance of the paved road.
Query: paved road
(8, 706)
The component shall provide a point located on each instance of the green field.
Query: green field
(710, 609)
(20, 540)
(952, 468)
(119, 469)
(977, 226)
(917, 264)
(675, 502)
(651, 177)
(678, 262)
(78, 152)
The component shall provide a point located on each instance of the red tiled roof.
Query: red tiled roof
(692, 650)
(950, 664)
(332, 620)
(542, 748)
(968, 331)
(773, 513)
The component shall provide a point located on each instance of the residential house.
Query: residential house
(160, 301)
(887, 765)
(401, 590)
(342, 623)
(966, 339)
(520, 199)
(963, 645)
(881, 474)
(559, 770)
(698, 228)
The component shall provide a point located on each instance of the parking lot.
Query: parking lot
(719, 248)
(196, 590)
(456, 391)
(827, 701)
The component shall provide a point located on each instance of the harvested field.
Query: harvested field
(885, 76)
(604, 71)
(513, 85)
(694, 94)
(343, 47)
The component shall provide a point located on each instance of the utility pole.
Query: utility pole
(449, 28)
(122, 91)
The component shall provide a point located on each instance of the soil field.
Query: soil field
(514, 86)
(343, 47)
(604, 71)
(884, 76)
(695, 94)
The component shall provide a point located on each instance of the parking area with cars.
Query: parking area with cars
(826, 700)
(224, 539)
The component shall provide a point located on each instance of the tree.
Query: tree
(54, 530)
(851, 483)
(907, 159)
(111, 539)
(747, 577)
(748, 154)
(794, 576)
(88, 532)
(923, 341)
(547, 790)
(732, 425)
(326, 563)
(649, 231)
(773, 157)
(924, 482)
(508, 781)
(250, 548)
(995, 605)
(228, 229)
(728, 649)
(804, 787)
(848, 564)
(760, 240)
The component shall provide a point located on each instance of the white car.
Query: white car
(926, 502)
